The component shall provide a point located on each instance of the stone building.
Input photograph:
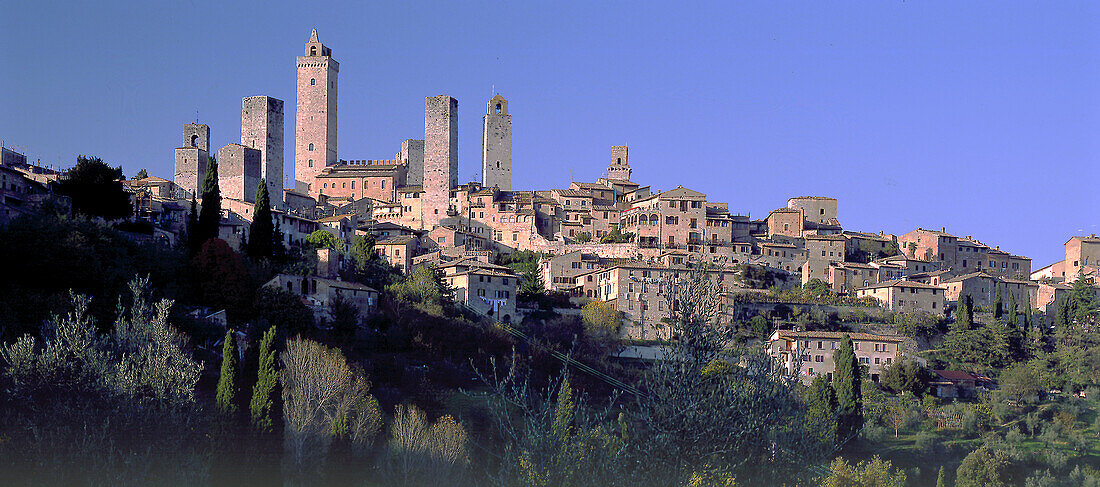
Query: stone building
(669, 220)
(398, 251)
(962, 254)
(440, 157)
(239, 172)
(902, 295)
(412, 157)
(319, 293)
(315, 124)
(191, 160)
(361, 179)
(818, 209)
(983, 288)
(491, 292)
(262, 129)
(810, 353)
(1082, 254)
(619, 169)
(496, 145)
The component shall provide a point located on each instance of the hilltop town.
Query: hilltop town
(398, 261)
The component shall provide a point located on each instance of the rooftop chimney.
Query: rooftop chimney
(943, 229)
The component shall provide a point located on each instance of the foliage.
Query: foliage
(261, 232)
(874, 473)
(616, 236)
(263, 391)
(210, 215)
(532, 288)
(918, 324)
(584, 237)
(423, 453)
(322, 396)
(284, 310)
(761, 328)
(322, 239)
(227, 387)
(343, 318)
(96, 189)
(141, 174)
(848, 379)
(906, 375)
(601, 319)
(367, 267)
(423, 287)
(821, 410)
(221, 278)
(1020, 384)
(984, 468)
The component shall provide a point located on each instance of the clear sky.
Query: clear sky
(981, 117)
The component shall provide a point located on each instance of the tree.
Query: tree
(1019, 384)
(816, 289)
(532, 287)
(221, 278)
(941, 479)
(1013, 312)
(227, 386)
(984, 468)
(193, 243)
(323, 395)
(261, 232)
(210, 216)
(284, 310)
(601, 319)
(848, 379)
(821, 407)
(760, 327)
(260, 405)
(141, 174)
(422, 453)
(344, 318)
(321, 239)
(998, 305)
(95, 189)
(906, 375)
(967, 316)
(874, 473)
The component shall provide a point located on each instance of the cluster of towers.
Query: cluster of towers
(431, 163)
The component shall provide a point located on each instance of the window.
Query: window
(819, 358)
(481, 292)
(353, 185)
(311, 163)
(878, 360)
(863, 360)
(312, 82)
(312, 51)
(310, 146)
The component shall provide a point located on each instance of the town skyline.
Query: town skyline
(563, 136)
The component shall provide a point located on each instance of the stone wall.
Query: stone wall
(440, 156)
(238, 172)
(196, 135)
(412, 155)
(496, 145)
(316, 114)
(190, 165)
(262, 129)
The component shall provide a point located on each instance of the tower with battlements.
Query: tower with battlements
(191, 159)
(619, 169)
(496, 145)
(315, 124)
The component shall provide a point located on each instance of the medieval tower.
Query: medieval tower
(619, 169)
(496, 145)
(191, 159)
(440, 157)
(315, 127)
(262, 129)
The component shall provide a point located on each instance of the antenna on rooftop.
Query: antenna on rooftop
(196, 116)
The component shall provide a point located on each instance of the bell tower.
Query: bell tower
(315, 125)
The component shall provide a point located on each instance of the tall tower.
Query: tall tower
(412, 156)
(315, 127)
(191, 158)
(619, 169)
(440, 157)
(262, 129)
(496, 145)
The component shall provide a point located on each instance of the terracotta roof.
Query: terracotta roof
(811, 198)
(837, 335)
(902, 283)
(335, 218)
(572, 193)
(955, 375)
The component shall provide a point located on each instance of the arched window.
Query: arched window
(498, 107)
(620, 161)
(310, 146)
(311, 163)
(313, 81)
(194, 140)
(498, 164)
(653, 219)
(642, 220)
(312, 50)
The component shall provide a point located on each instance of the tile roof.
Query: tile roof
(902, 283)
(837, 335)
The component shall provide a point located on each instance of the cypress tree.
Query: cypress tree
(1013, 313)
(941, 479)
(847, 383)
(193, 227)
(211, 214)
(998, 305)
(260, 232)
(968, 312)
(262, 399)
(821, 408)
(227, 388)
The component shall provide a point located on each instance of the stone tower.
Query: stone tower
(191, 159)
(496, 145)
(315, 127)
(412, 156)
(262, 129)
(619, 169)
(239, 172)
(440, 157)
(196, 135)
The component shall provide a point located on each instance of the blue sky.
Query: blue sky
(979, 116)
